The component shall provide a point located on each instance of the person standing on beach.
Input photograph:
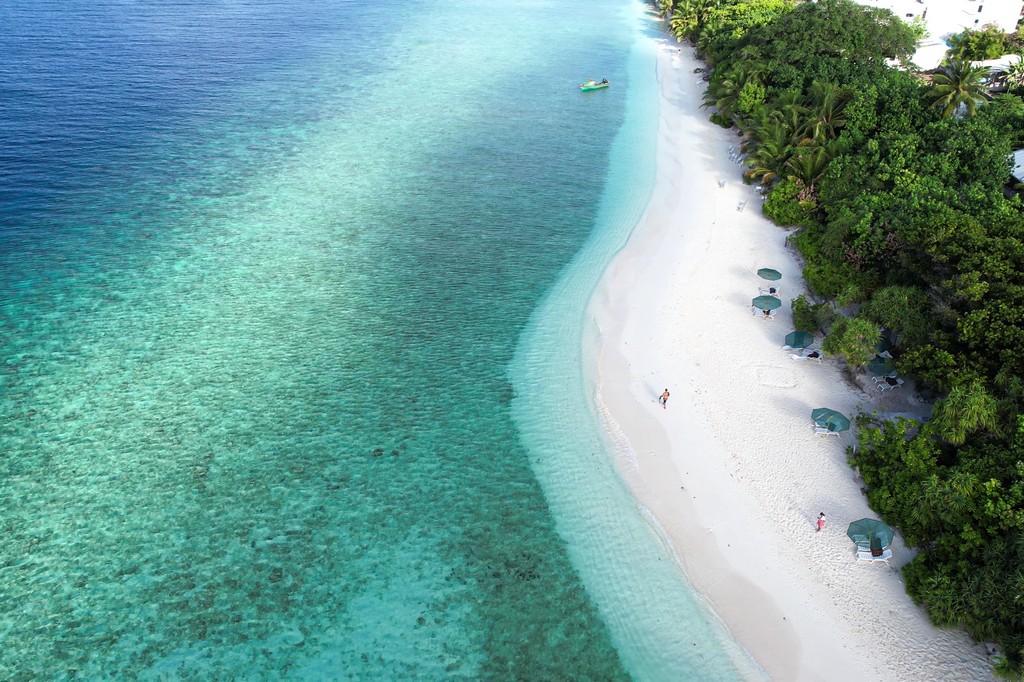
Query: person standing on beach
(821, 522)
(663, 399)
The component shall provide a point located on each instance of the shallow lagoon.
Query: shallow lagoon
(261, 288)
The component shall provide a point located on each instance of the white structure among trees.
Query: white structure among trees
(943, 18)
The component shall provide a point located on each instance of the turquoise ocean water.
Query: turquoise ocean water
(285, 289)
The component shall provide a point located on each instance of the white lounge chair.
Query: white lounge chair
(866, 555)
(888, 386)
(761, 313)
(822, 431)
(808, 354)
(769, 291)
(881, 379)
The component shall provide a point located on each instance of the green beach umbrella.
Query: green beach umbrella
(799, 339)
(769, 274)
(830, 419)
(766, 303)
(879, 365)
(870, 534)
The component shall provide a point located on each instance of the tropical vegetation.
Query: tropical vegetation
(987, 42)
(912, 236)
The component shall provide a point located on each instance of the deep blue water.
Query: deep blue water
(263, 268)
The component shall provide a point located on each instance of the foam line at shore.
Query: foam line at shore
(731, 471)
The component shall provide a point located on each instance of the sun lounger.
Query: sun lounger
(808, 354)
(882, 379)
(866, 555)
(889, 385)
(822, 431)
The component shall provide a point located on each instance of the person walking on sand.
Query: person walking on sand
(821, 522)
(663, 399)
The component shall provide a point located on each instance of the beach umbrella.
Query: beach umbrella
(870, 534)
(880, 366)
(769, 274)
(766, 303)
(799, 339)
(830, 419)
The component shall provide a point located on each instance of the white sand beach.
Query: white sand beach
(732, 470)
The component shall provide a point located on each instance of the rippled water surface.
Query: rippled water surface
(263, 271)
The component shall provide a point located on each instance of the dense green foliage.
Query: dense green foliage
(988, 42)
(897, 183)
(852, 338)
(959, 86)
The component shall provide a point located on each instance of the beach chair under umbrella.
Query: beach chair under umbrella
(830, 420)
(766, 303)
(870, 534)
(798, 340)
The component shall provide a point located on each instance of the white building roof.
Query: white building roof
(943, 18)
(1002, 64)
(1018, 165)
(930, 54)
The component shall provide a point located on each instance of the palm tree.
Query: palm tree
(768, 148)
(963, 488)
(852, 338)
(724, 93)
(966, 409)
(766, 158)
(1015, 75)
(921, 513)
(826, 111)
(790, 110)
(959, 85)
(781, 120)
(689, 16)
(809, 162)
(723, 96)
(806, 166)
(930, 505)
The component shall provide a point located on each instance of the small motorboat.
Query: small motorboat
(594, 85)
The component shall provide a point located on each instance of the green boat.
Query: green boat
(586, 86)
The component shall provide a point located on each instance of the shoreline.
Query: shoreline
(731, 471)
